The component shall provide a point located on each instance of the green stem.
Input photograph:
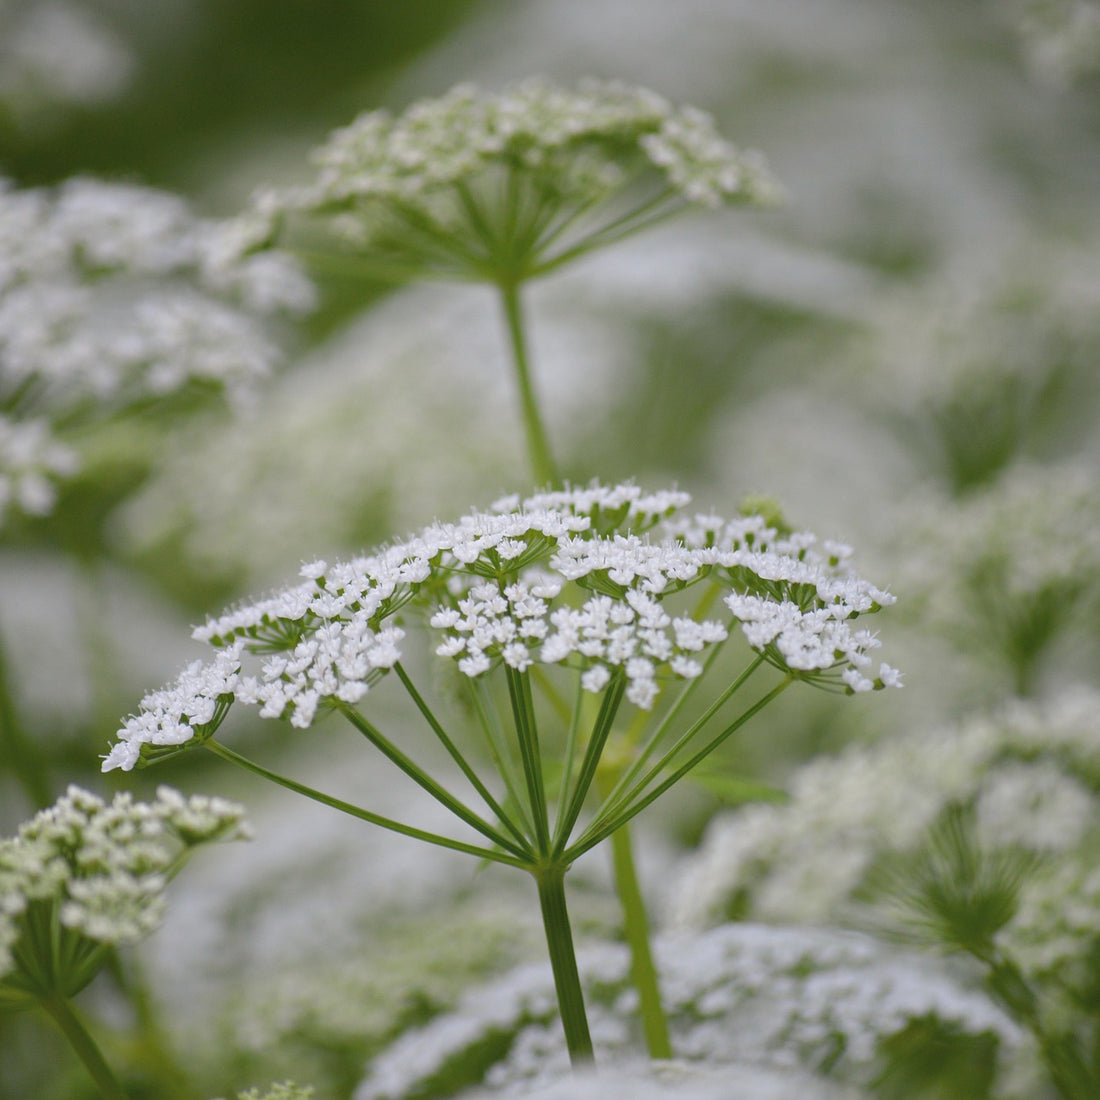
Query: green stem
(426, 782)
(643, 971)
(85, 1046)
(538, 442)
(563, 961)
(609, 707)
(617, 797)
(634, 803)
(523, 714)
(456, 756)
(363, 815)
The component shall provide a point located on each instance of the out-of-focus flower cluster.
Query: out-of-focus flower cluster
(54, 53)
(112, 296)
(428, 183)
(96, 872)
(819, 1000)
(1010, 572)
(1029, 776)
(574, 578)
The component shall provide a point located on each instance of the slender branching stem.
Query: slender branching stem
(563, 961)
(612, 698)
(365, 815)
(426, 782)
(636, 802)
(499, 747)
(80, 1039)
(622, 793)
(523, 714)
(454, 753)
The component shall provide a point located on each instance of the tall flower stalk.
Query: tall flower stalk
(503, 189)
(594, 591)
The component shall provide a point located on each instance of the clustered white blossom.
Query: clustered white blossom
(812, 999)
(102, 868)
(1031, 775)
(576, 578)
(419, 178)
(114, 294)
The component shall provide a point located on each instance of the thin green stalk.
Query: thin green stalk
(633, 222)
(609, 707)
(563, 961)
(617, 797)
(489, 720)
(643, 971)
(601, 831)
(64, 1015)
(426, 782)
(538, 442)
(364, 815)
(456, 756)
(523, 714)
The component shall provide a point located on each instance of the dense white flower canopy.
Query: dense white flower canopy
(574, 578)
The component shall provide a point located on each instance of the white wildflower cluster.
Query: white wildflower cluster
(575, 578)
(98, 871)
(114, 294)
(777, 998)
(1030, 775)
(419, 179)
(54, 53)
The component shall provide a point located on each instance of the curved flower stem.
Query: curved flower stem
(85, 1047)
(643, 971)
(563, 961)
(538, 442)
(364, 815)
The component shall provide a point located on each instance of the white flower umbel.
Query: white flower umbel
(111, 296)
(796, 999)
(94, 873)
(507, 186)
(83, 877)
(504, 188)
(552, 612)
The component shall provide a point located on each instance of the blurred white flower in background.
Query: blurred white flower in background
(55, 54)
(113, 296)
